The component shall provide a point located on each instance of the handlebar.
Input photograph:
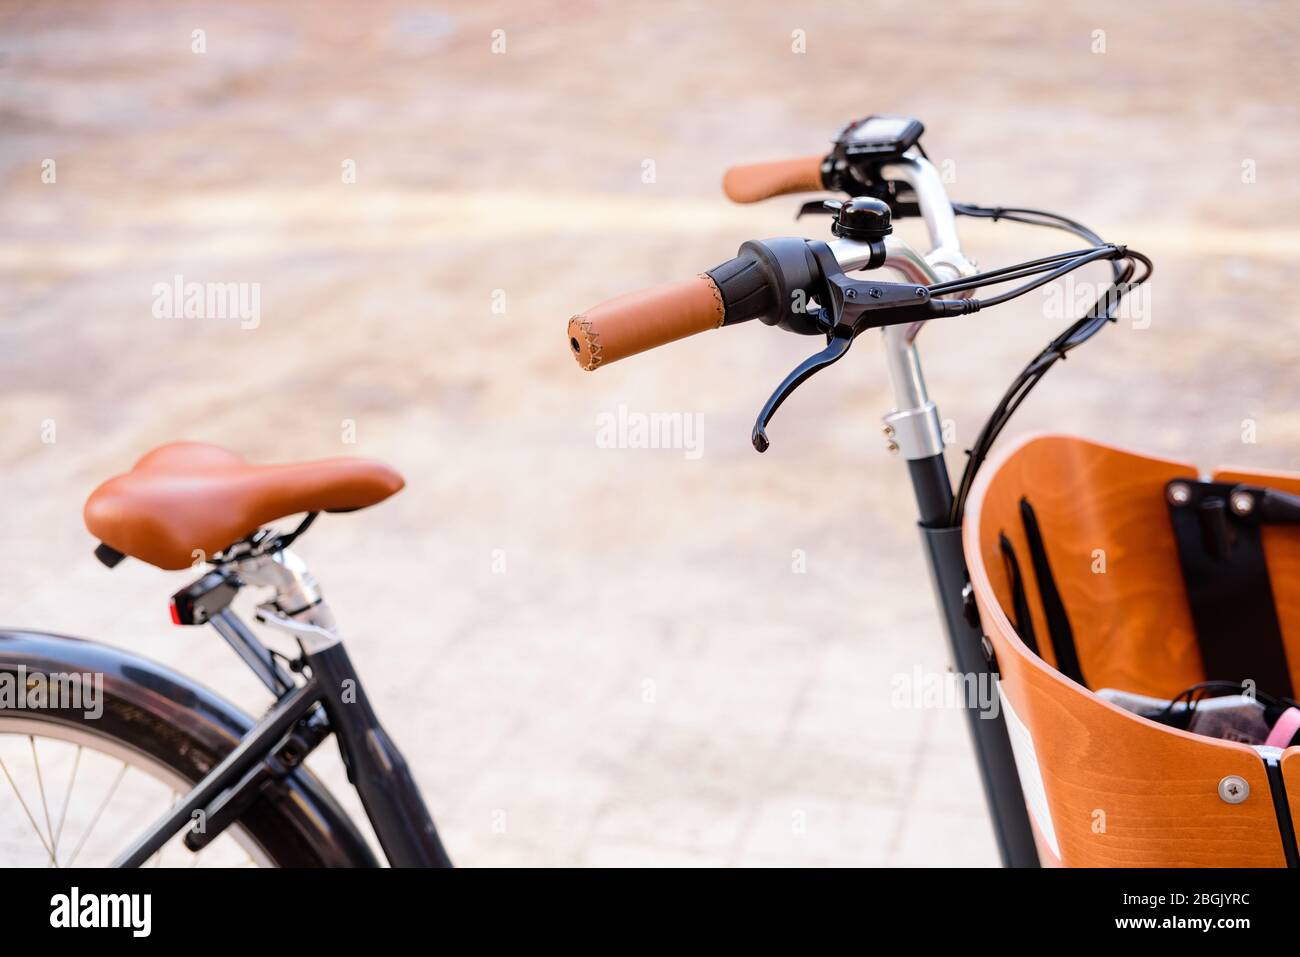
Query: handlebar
(753, 285)
(801, 285)
(641, 320)
(756, 181)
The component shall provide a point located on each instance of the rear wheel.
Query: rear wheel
(76, 798)
(78, 785)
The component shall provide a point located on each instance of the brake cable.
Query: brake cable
(848, 307)
(1102, 311)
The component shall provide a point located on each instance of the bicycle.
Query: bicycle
(183, 501)
(221, 775)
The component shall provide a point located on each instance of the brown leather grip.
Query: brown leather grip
(749, 184)
(641, 320)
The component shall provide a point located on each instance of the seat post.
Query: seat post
(297, 592)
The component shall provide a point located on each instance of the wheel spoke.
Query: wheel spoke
(45, 804)
(35, 827)
(67, 799)
(98, 812)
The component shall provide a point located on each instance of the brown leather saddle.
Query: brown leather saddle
(187, 497)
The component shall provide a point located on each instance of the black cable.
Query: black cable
(1025, 214)
(1007, 272)
(1123, 267)
(1103, 252)
(1051, 271)
(1211, 689)
(1074, 336)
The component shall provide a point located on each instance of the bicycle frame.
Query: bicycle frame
(292, 728)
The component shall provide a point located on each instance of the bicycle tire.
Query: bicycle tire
(169, 719)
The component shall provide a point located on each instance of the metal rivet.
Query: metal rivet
(1243, 503)
(892, 448)
(1180, 493)
(888, 430)
(1234, 789)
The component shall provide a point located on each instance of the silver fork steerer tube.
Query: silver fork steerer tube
(914, 431)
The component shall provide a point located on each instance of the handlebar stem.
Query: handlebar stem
(936, 209)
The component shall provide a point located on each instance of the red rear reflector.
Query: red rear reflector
(176, 616)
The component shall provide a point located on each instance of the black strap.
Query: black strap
(1282, 808)
(1022, 620)
(1229, 585)
(1058, 622)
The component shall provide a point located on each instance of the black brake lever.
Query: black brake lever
(848, 308)
(837, 345)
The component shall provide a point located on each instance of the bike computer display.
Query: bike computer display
(880, 137)
(861, 148)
